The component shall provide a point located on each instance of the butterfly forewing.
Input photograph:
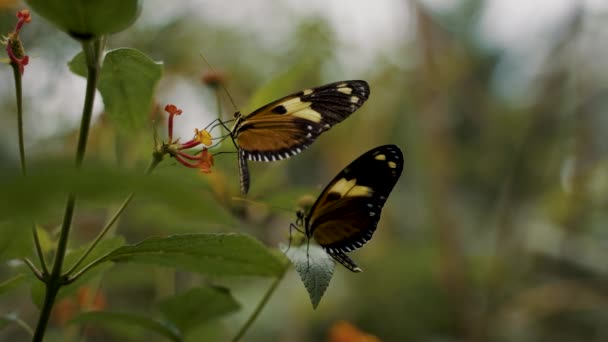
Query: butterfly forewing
(345, 215)
(289, 125)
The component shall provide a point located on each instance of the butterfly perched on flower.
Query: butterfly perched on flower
(287, 126)
(345, 215)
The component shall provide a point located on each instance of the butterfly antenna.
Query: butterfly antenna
(221, 83)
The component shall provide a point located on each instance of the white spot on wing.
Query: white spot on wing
(344, 89)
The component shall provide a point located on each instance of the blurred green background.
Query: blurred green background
(497, 229)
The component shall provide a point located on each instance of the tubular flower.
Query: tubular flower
(203, 137)
(14, 47)
(206, 161)
(201, 159)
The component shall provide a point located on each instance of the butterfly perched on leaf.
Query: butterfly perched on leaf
(345, 215)
(287, 126)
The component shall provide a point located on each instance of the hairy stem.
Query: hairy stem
(92, 50)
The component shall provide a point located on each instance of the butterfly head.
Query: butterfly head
(300, 217)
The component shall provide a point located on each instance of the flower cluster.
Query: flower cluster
(14, 48)
(202, 159)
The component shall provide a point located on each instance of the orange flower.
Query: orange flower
(172, 109)
(202, 159)
(203, 137)
(206, 161)
(343, 331)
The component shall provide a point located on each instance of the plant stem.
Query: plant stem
(35, 270)
(21, 137)
(92, 50)
(256, 312)
(101, 234)
(19, 98)
(39, 252)
(123, 206)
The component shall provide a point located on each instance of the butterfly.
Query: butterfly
(287, 126)
(345, 215)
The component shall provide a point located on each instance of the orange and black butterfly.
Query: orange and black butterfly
(345, 215)
(287, 126)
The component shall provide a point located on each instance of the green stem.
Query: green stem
(21, 135)
(105, 229)
(92, 51)
(39, 252)
(19, 97)
(34, 270)
(261, 304)
(101, 234)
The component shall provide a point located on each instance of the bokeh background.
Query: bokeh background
(497, 229)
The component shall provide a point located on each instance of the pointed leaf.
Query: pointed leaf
(127, 83)
(111, 319)
(78, 65)
(197, 306)
(85, 19)
(315, 267)
(214, 254)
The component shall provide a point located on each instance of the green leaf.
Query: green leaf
(315, 267)
(103, 248)
(213, 254)
(11, 283)
(197, 306)
(112, 319)
(86, 19)
(78, 65)
(126, 83)
(182, 190)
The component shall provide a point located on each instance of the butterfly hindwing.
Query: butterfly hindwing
(289, 125)
(345, 215)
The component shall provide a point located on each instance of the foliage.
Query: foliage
(494, 233)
